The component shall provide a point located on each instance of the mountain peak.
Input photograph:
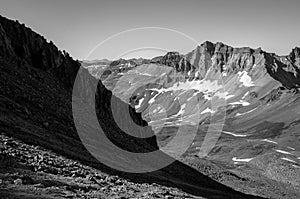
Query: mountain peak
(207, 43)
(208, 47)
(220, 47)
(295, 53)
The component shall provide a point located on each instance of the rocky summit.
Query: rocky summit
(251, 94)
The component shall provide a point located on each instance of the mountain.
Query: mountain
(241, 104)
(42, 155)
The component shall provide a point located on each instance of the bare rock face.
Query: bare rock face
(295, 54)
(174, 60)
(220, 57)
(223, 58)
(21, 45)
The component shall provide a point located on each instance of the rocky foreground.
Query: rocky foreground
(28, 171)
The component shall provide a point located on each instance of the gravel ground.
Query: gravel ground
(28, 171)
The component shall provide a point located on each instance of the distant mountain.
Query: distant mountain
(228, 60)
(95, 62)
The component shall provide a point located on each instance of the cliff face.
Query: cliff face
(20, 45)
(229, 60)
(176, 61)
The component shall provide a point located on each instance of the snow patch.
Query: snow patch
(287, 159)
(245, 79)
(153, 98)
(162, 110)
(195, 94)
(239, 114)
(235, 135)
(242, 160)
(139, 104)
(291, 148)
(197, 74)
(244, 96)
(189, 98)
(155, 110)
(182, 108)
(283, 152)
(223, 95)
(180, 112)
(270, 141)
(207, 97)
(207, 110)
(204, 86)
(242, 102)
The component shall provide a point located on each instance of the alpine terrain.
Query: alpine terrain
(226, 118)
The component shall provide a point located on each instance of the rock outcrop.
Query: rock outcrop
(20, 45)
(176, 61)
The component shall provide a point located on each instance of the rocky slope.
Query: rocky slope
(36, 109)
(34, 172)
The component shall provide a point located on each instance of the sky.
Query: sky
(169, 25)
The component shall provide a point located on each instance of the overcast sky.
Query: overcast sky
(78, 26)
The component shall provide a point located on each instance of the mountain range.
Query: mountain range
(253, 94)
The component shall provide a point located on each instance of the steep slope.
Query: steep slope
(36, 108)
